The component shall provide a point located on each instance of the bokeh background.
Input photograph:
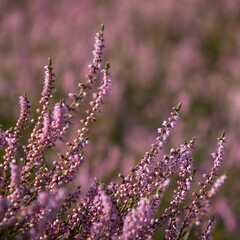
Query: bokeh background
(161, 53)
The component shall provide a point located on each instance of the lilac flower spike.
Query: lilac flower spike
(98, 48)
(15, 181)
(207, 234)
(36, 197)
(200, 203)
(49, 79)
(145, 173)
(137, 221)
(3, 142)
(218, 157)
(217, 185)
(59, 116)
(102, 226)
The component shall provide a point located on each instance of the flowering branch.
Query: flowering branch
(36, 201)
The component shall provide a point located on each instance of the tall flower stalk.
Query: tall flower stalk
(36, 203)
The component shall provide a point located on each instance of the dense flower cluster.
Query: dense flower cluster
(35, 204)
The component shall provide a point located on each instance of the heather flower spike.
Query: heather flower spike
(207, 234)
(36, 197)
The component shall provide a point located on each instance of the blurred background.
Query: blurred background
(161, 53)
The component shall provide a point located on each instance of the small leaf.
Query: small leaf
(223, 135)
(178, 106)
(101, 28)
(194, 172)
(49, 62)
(107, 66)
(152, 152)
(159, 190)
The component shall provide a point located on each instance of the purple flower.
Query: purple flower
(137, 221)
(36, 197)
(207, 234)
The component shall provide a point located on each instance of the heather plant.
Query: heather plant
(37, 200)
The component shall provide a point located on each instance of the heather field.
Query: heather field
(131, 130)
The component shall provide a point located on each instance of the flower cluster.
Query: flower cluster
(36, 203)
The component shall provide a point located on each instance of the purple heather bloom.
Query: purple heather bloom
(137, 221)
(45, 136)
(33, 201)
(218, 157)
(15, 176)
(102, 226)
(25, 107)
(3, 207)
(43, 199)
(217, 185)
(23, 104)
(207, 234)
(98, 50)
(49, 204)
(3, 142)
(173, 230)
(47, 81)
(59, 115)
